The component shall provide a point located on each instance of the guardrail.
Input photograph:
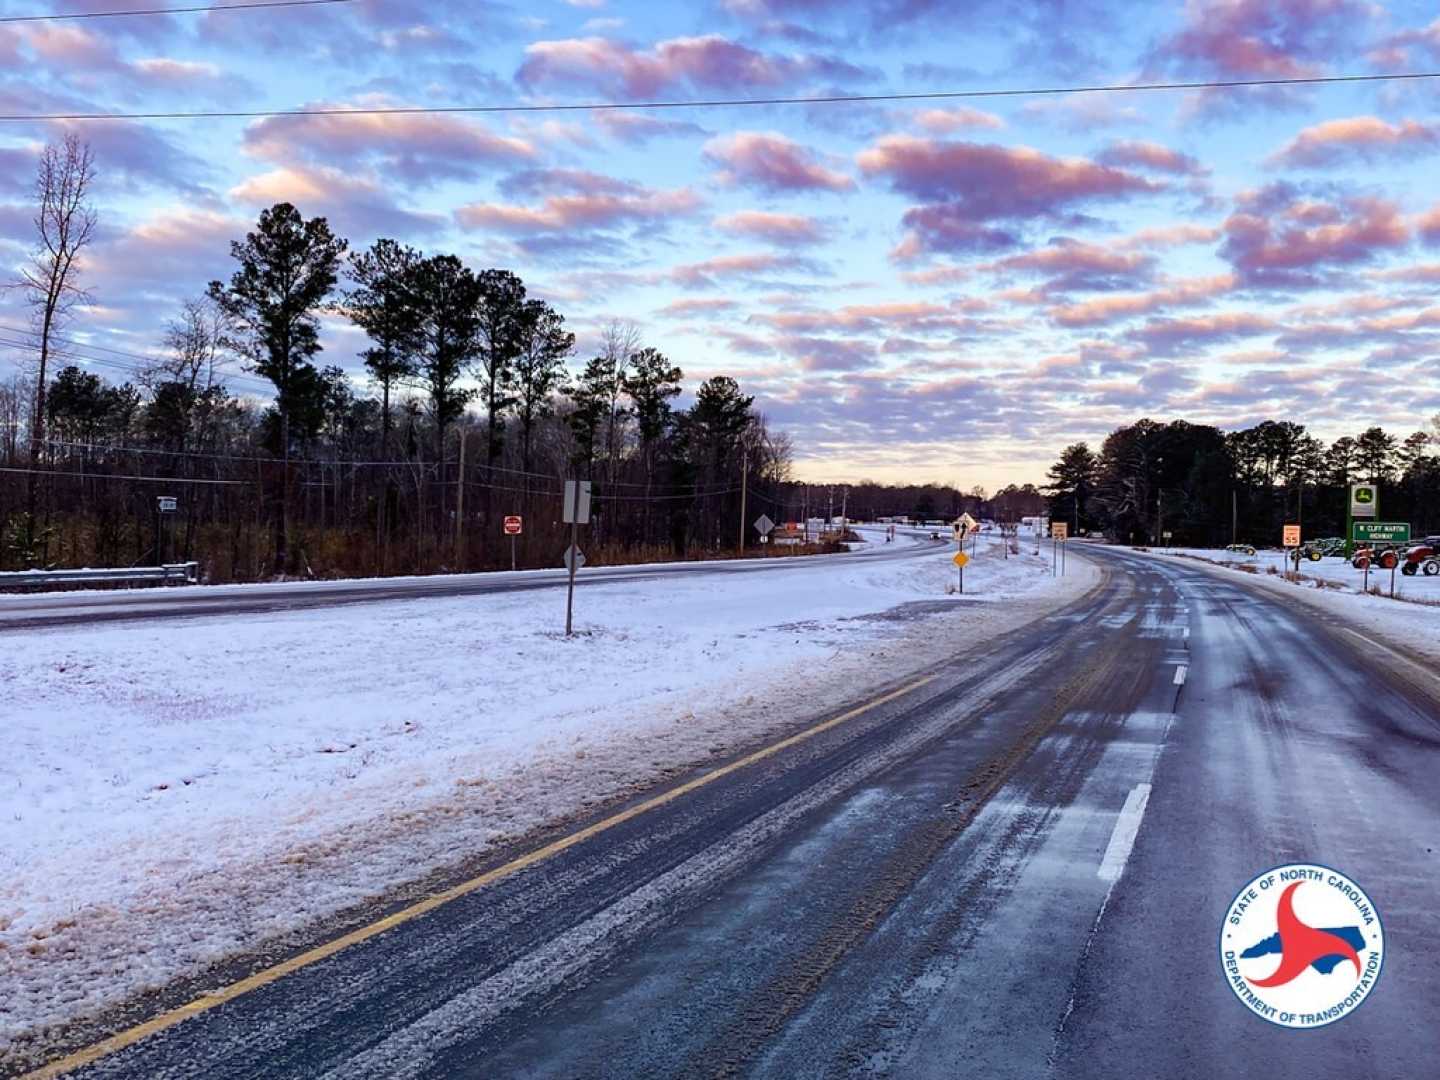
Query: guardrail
(186, 573)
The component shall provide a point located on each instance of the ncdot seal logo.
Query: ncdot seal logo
(1302, 945)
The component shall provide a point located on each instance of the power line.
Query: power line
(68, 349)
(170, 11)
(113, 476)
(709, 103)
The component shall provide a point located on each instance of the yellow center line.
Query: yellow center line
(129, 1037)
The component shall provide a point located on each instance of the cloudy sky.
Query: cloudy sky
(937, 289)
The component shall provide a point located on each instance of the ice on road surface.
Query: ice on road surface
(176, 791)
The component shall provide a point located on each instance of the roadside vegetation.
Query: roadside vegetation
(1210, 488)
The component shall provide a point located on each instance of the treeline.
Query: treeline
(476, 415)
(869, 500)
(1210, 487)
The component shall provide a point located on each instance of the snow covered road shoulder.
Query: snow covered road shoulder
(175, 792)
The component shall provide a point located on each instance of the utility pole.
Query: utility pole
(1234, 517)
(845, 504)
(744, 491)
(460, 505)
(1159, 497)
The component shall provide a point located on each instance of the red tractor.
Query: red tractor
(1423, 558)
(1385, 556)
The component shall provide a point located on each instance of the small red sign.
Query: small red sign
(514, 525)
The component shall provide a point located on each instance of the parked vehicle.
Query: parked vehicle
(1422, 557)
(1385, 556)
(1241, 549)
(1311, 552)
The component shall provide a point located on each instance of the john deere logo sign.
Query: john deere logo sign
(1364, 500)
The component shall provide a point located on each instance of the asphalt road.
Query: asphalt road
(37, 611)
(936, 886)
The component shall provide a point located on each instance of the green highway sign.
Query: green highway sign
(1382, 532)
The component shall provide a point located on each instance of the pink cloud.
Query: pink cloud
(1139, 154)
(1168, 236)
(907, 316)
(771, 162)
(711, 62)
(1362, 138)
(416, 148)
(1394, 51)
(705, 275)
(1277, 236)
(67, 46)
(968, 185)
(1075, 264)
(1108, 309)
(994, 182)
(949, 121)
(1428, 225)
(173, 250)
(579, 211)
(637, 129)
(357, 206)
(1164, 336)
(1423, 274)
(828, 354)
(1265, 38)
(684, 309)
(783, 229)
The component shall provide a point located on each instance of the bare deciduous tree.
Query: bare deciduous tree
(195, 345)
(65, 225)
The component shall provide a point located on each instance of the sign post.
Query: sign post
(1379, 532)
(764, 526)
(514, 526)
(1364, 503)
(1059, 533)
(960, 560)
(1290, 540)
(575, 512)
(165, 506)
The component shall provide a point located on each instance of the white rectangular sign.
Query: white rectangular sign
(577, 502)
(1364, 500)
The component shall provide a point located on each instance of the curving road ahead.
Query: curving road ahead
(941, 883)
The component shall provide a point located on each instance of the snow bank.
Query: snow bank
(1332, 570)
(177, 791)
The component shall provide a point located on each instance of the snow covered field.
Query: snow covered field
(176, 791)
(1330, 569)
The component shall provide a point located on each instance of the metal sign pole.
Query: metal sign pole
(572, 500)
(570, 592)
(512, 551)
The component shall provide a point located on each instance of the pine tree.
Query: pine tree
(385, 306)
(539, 369)
(288, 268)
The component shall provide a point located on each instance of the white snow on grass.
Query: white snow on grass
(176, 791)
(1332, 570)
